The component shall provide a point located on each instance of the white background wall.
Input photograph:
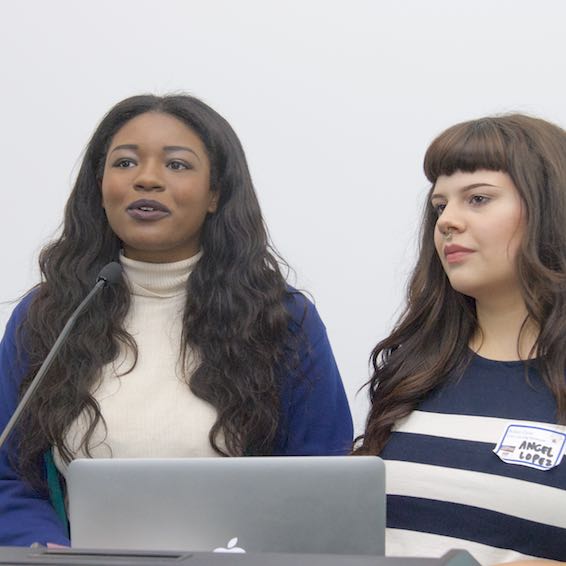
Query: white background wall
(334, 101)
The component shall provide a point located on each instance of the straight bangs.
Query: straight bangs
(467, 147)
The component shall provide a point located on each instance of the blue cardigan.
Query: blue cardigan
(315, 420)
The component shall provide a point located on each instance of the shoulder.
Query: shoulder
(304, 317)
(495, 389)
(18, 315)
(12, 354)
(21, 309)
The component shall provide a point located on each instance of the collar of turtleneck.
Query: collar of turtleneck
(158, 279)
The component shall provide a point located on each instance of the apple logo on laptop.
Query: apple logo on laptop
(231, 547)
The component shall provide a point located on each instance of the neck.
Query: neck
(505, 331)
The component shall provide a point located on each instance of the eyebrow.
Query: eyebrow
(166, 149)
(464, 189)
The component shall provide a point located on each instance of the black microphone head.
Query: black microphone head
(111, 273)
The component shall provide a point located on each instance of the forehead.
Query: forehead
(159, 129)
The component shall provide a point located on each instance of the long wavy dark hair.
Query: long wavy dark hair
(430, 340)
(235, 316)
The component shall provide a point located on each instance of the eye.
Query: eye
(439, 208)
(177, 165)
(124, 163)
(478, 200)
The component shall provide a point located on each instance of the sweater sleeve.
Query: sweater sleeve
(316, 418)
(26, 516)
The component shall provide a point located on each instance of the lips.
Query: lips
(145, 209)
(455, 253)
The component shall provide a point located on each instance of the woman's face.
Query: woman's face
(479, 229)
(156, 188)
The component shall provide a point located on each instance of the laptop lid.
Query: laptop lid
(305, 504)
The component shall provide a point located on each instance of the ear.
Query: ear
(214, 198)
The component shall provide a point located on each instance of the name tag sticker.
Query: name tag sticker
(531, 446)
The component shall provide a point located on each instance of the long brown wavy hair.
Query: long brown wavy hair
(235, 315)
(430, 340)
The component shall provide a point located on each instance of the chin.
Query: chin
(464, 288)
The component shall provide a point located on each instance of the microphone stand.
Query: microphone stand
(108, 275)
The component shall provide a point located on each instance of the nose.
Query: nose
(450, 220)
(149, 178)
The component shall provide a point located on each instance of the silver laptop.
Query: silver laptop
(314, 504)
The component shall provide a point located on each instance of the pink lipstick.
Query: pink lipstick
(455, 253)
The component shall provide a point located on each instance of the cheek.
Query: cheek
(438, 242)
(511, 229)
(108, 194)
(509, 237)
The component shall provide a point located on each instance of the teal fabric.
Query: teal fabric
(55, 489)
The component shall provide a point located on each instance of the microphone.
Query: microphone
(110, 274)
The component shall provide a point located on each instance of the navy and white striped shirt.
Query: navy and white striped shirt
(448, 489)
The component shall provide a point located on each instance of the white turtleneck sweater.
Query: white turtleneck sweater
(150, 412)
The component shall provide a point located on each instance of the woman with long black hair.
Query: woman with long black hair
(469, 392)
(201, 350)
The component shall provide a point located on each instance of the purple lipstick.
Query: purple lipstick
(145, 209)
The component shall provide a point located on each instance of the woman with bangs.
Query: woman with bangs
(468, 392)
